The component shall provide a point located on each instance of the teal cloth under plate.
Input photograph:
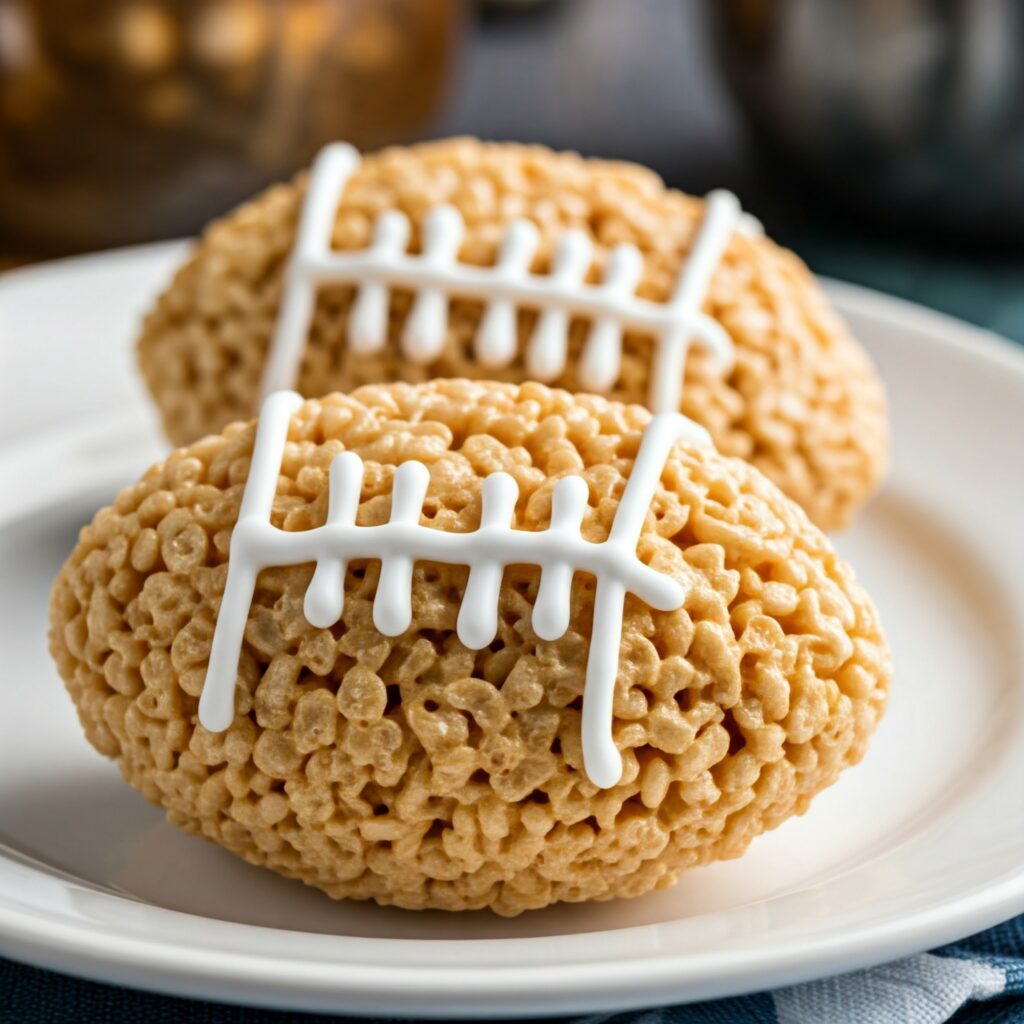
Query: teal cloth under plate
(983, 289)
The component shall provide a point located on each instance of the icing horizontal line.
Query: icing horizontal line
(537, 290)
(505, 547)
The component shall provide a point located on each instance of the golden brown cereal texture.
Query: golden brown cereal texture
(415, 772)
(803, 402)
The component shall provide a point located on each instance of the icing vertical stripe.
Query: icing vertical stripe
(217, 704)
(327, 179)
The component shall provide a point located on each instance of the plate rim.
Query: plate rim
(577, 987)
(78, 947)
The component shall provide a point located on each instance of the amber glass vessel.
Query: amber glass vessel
(127, 120)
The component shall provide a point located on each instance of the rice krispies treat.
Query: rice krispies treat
(416, 772)
(803, 402)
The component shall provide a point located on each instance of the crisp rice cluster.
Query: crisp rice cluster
(416, 772)
(803, 402)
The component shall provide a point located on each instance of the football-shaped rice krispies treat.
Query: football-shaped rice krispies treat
(412, 769)
(794, 393)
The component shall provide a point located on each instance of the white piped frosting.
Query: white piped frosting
(435, 276)
(559, 551)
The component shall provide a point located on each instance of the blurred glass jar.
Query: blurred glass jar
(911, 108)
(127, 120)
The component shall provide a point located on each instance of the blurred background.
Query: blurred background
(881, 139)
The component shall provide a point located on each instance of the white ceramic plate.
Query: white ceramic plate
(921, 844)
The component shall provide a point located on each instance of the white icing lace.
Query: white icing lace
(559, 551)
(435, 276)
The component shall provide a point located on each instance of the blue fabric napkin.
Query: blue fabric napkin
(979, 980)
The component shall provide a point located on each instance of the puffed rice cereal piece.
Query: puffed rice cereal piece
(416, 772)
(802, 402)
